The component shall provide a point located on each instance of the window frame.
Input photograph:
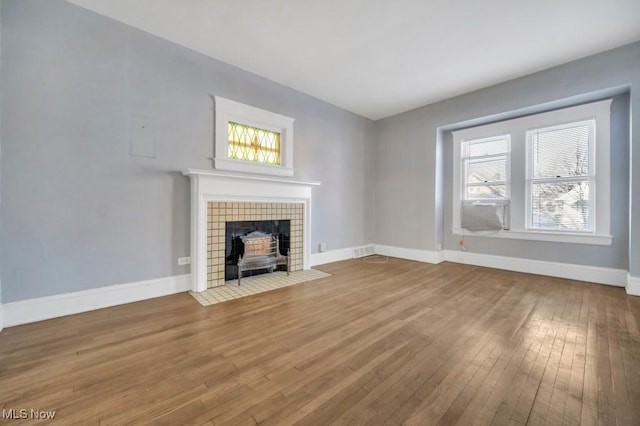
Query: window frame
(227, 111)
(517, 215)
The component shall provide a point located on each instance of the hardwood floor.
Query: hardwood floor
(402, 342)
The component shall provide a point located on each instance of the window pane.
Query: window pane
(561, 152)
(560, 206)
(489, 192)
(487, 147)
(253, 144)
(490, 170)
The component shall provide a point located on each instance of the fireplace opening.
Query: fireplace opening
(234, 247)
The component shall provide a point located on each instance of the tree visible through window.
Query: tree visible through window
(560, 180)
(253, 144)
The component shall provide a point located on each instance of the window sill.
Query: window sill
(558, 237)
(251, 167)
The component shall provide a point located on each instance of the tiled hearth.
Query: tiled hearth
(255, 285)
(220, 212)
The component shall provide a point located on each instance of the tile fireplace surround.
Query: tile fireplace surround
(218, 197)
(218, 213)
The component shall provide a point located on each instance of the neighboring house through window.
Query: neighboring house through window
(551, 169)
(485, 165)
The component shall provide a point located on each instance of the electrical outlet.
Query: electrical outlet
(323, 247)
(184, 260)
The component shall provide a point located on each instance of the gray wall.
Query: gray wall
(413, 189)
(78, 211)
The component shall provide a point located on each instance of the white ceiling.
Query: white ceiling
(382, 57)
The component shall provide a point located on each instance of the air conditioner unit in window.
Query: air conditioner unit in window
(479, 216)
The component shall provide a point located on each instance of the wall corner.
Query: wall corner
(633, 285)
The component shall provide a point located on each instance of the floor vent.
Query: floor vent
(362, 251)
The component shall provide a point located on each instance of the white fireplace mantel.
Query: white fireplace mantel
(209, 185)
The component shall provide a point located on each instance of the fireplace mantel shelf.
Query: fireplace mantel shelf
(247, 176)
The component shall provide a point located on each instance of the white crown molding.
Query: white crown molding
(633, 285)
(427, 256)
(43, 308)
(331, 256)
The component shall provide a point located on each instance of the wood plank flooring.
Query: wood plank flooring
(396, 343)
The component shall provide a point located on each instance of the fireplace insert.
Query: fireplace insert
(235, 247)
(261, 251)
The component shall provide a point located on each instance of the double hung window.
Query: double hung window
(560, 181)
(486, 169)
(551, 169)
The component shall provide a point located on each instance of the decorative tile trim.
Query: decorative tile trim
(220, 212)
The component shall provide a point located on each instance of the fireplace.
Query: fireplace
(220, 197)
(234, 246)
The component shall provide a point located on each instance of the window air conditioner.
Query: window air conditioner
(479, 216)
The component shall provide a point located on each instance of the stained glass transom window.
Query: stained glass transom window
(253, 144)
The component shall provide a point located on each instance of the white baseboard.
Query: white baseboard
(594, 274)
(427, 256)
(331, 256)
(42, 308)
(1, 318)
(633, 285)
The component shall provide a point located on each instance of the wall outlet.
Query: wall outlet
(184, 260)
(322, 247)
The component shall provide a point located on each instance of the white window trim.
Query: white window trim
(227, 110)
(518, 129)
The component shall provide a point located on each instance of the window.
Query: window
(559, 182)
(250, 139)
(486, 169)
(551, 169)
(253, 144)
